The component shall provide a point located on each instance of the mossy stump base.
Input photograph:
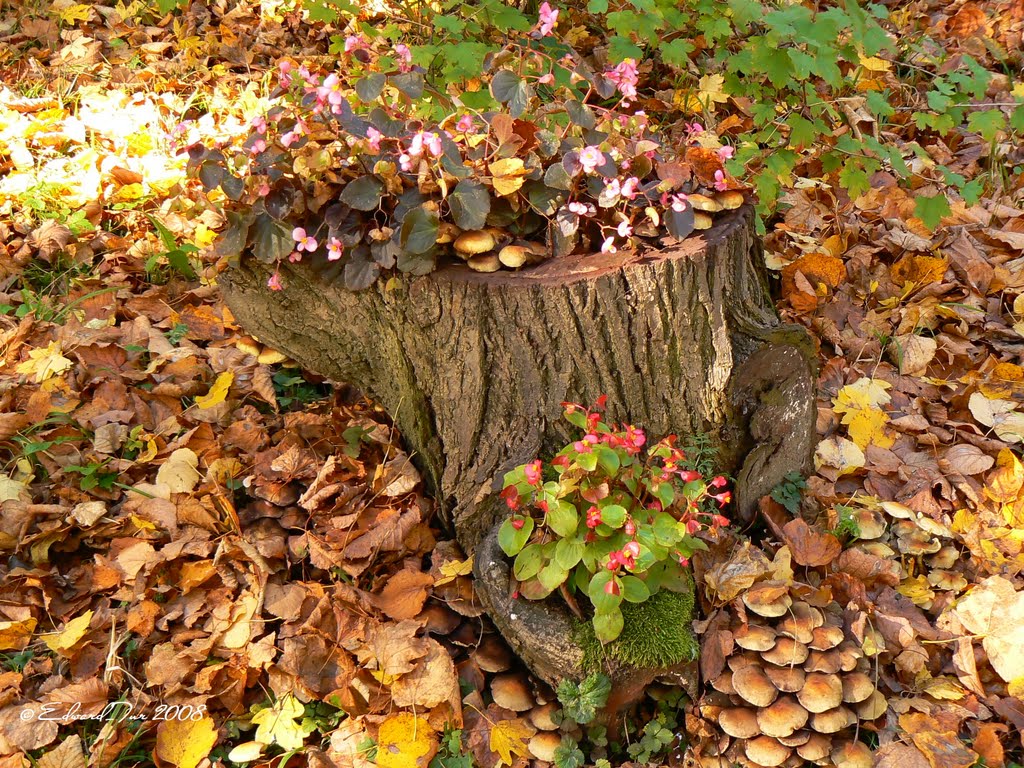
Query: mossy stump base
(473, 367)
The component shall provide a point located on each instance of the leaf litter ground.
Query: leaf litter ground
(191, 522)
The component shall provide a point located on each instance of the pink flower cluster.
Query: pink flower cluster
(423, 142)
(625, 557)
(548, 19)
(625, 76)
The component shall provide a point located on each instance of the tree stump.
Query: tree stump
(473, 367)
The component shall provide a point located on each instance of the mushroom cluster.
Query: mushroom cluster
(794, 686)
(490, 249)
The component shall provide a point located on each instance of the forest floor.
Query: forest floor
(242, 553)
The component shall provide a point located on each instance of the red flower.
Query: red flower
(542, 505)
(518, 523)
(688, 475)
(692, 526)
(511, 497)
(684, 561)
(611, 588)
(718, 482)
(720, 520)
(593, 517)
(723, 498)
(629, 527)
(635, 437)
(560, 461)
(632, 548)
(532, 471)
(599, 404)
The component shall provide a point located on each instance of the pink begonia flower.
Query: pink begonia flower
(330, 90)
(274, 283)
(354, 43)
(612, 189)
(264, 190)
(608, 246)
(304, 242)
(428, 141)
(626, 77)
(723, 498)
(373, 137)
(260, 124)
(679, 202)
(287, 139)
(284, 69)
(258, 146)
(466, 124)
(611, 588)
(590, 158)
(548, 19)
(630, 187)
(624, 230)
(294, 257)
(404, 57)
(720, 183)
(546, 79)
(581, 209)
(726, 153)
(532, 472)
(593, 517)
(719, 481)
(688, 475)
(334, 249)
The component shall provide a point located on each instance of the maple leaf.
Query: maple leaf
(859, 403)
(277, 724)
(508, 737)
(45, 363)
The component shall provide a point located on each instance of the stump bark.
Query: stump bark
(473, 367)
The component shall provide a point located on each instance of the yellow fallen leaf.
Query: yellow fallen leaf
(218, 392)
(15, 635)
(75, 13)
(860, 405)
(185, 743)
(73, 631)
(710, 91)
(943, 687)
(1004, 483)
(507, 175)
(875, 64)
(452, 569)
(278, 724)
(405, 741)
(179, 472)
(45, 363)
(507, 737)
(917, 589)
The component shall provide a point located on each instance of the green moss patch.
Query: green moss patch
(656, 633)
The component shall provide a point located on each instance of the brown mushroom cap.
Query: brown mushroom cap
(782, 718)
(945, 557)
(857, 687)
(796, 739)
(766, 751)
(543, 745)
(821, 692)
(447, 232)
(514, 256)
(826, 637)
(786, 653)
(488, 262)
(511, 692)
(832, 721)
(786, 679)
(872, 707)
(542, 716)
(849, 655)
(730, 200)
(741, 660)
(704, 203)
(702, 220)
(474, 242)
(823, 661)
(753, 686)
(817, 747)
(723, 683)
(493, 655)
(769, 599)
(754, 637)
(801, 622)
(739, 722)
(852, 754)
